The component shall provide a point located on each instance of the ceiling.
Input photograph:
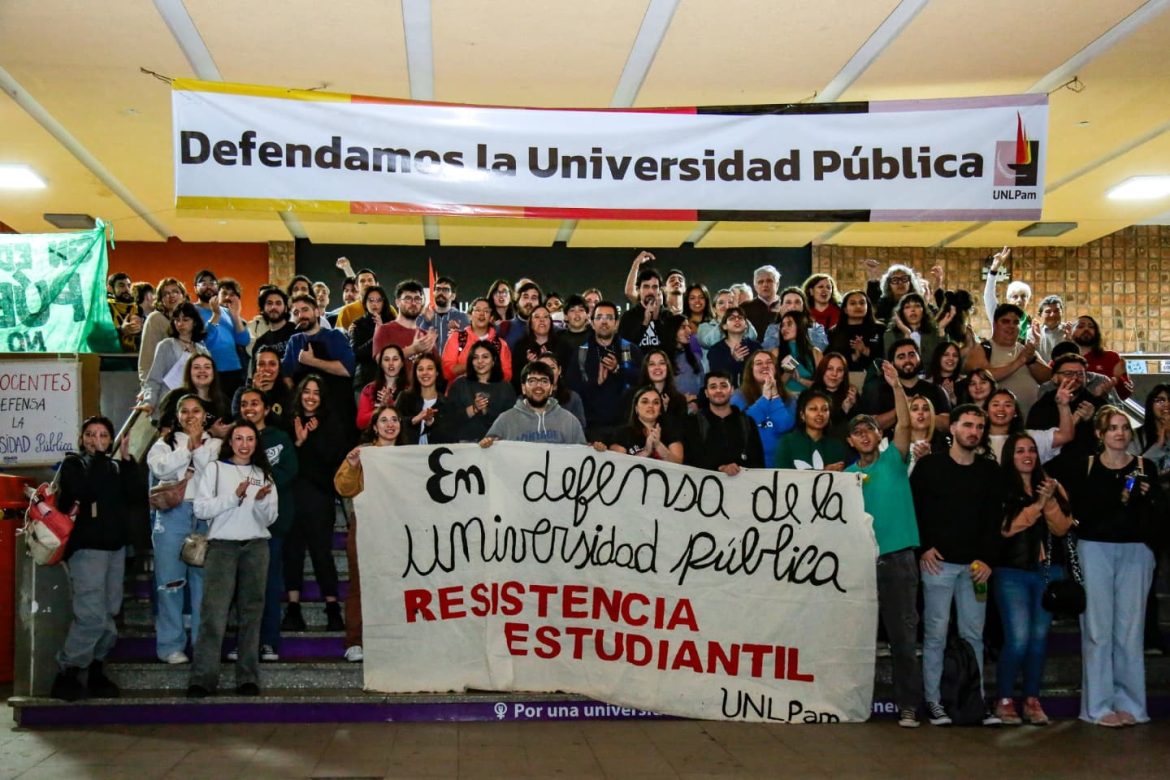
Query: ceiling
(79, 111)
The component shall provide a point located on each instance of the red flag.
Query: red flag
(431, 281)
(1023, 147)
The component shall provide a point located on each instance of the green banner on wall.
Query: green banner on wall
(53, 293)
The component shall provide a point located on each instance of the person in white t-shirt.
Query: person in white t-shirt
(1004, 418)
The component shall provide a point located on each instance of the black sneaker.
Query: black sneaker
(333, 617)
(197, 692)
(100, 686)
(293, 621)
(248, 689)
(68, 685)
(937, 715)
(991, 719)
(908, 718)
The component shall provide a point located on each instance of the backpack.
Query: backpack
(961, 688)
(46, 529)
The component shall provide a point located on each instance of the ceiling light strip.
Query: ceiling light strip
(420, 54)
(34, 109)
(878, 41)
(699, 233)
(420, 69)
(186, 34)
(292, 224)
(1110, 38)
(655, 23)
(830, 234)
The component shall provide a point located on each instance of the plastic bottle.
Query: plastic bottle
(980, 587)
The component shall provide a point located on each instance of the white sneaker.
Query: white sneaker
(267, 653)
(177, 657)
(354, 654)
(233, 655)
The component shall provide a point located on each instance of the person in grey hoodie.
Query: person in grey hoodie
(536, 417)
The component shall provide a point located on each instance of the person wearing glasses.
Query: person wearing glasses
(885, 290)
(171, 293)
(537, 416)
(404, 330)
(604, 366)
(440, 315)
(1069, 370)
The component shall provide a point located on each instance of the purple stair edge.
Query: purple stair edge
(378, 710)
(143, 590)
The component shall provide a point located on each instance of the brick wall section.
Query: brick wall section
(1122, 280)
(282, 263)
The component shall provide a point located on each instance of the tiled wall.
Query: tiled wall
(1123, 279)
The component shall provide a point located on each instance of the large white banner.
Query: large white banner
(557, 568)
(978, 158)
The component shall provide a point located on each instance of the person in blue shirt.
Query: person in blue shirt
(323, 351)
(763, 397)
(226, 330)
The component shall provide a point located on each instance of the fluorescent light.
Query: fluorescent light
(20, 177)
(1141, 188)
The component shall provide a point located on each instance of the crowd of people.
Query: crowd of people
(1002, 462)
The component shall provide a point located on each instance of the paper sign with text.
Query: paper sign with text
(659, 587)
(40, 411)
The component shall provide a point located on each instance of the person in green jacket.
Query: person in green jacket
(807, 446)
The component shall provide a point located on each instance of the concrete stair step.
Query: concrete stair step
(143, 590)
(314, 674)
(294, 646)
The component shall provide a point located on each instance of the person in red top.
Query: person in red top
(394, 374)
(824, 304)
(454, 351)
(403, 330)
(1087, 335)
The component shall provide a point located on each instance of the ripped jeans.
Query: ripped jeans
(173, 579)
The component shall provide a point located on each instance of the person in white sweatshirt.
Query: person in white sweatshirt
(183, 453)
(237, 496)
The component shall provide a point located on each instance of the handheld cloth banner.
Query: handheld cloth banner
(660, 587)
(53, 293)
(262, 147)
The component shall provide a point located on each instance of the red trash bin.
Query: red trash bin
(13, 503)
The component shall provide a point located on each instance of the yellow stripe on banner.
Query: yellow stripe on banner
(195, 85)
(262, 204)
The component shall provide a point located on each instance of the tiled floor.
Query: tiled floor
(626, 750)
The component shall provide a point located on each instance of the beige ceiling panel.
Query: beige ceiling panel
(744, 51)
(895, 233)
(70, 187)
(762, 234)
(357, 46)
(634, 235)
(515, 52)
(997, 234)
(955, 48)
(407, 231)
(1084, 197)
(1124, 98)
(81, 62)
(485, 231)
(259, 226)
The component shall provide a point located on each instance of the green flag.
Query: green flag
(53, 293)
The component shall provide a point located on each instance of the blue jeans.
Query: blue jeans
(172, 578)
(1025, 627)
(938, 590)
(273, 594)
(1113, 667)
